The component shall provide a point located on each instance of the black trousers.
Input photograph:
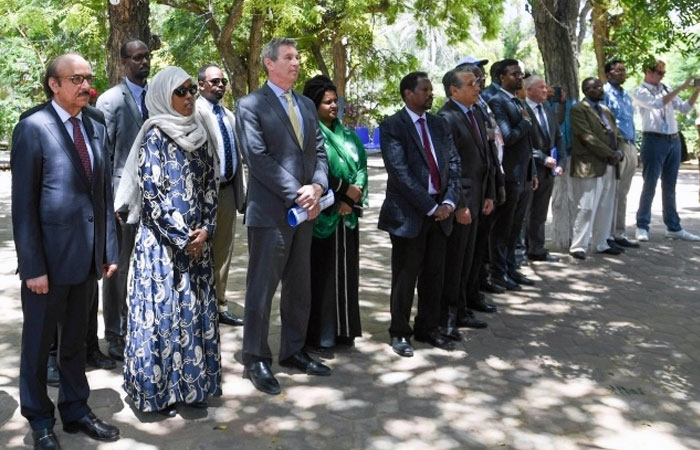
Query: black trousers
(507, 224)
(63, 309)
(422, 260)
(472, 282)
(538, 212)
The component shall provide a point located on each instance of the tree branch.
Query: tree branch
(192, 6)
(234, 16)
(582, 21)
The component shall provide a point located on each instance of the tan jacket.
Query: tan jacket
(591, 149)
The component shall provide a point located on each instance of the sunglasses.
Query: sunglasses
(183, 90)
(78, 79)
(215, 81)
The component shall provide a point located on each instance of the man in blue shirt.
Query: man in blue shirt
(620, 103)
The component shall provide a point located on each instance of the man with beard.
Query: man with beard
(220, 124)
(422, 190)
(124, 109)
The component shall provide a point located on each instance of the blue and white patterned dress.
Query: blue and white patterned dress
(172, 349)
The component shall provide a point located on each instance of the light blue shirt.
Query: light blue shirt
(136, 93)
(279, 92)
(64, 116)
(465, 109)
(620, 103)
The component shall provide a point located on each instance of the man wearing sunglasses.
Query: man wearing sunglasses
(65, 237)
(661, 148)
(220, 124)
(125, 111)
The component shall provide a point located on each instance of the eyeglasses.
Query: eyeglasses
(140, 57)
(183, 90)
(215, 81)
(78, 79)
(660, 72)
(474, 83)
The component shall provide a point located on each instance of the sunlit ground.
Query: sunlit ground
(600, 354)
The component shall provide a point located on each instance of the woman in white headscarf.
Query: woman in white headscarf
(172, 353)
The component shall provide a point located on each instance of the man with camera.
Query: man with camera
(661, 148)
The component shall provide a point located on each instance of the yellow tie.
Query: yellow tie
(293, 116)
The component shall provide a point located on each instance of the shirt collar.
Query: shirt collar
(592, 103)
(414, 116)
(651, 87)
(135, 88)
(276, 89)
(464, 108)
(211, 104)
(609, 87)
(511, 96)
(532, 104)
(63, 114)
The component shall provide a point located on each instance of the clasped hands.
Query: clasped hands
(308, 197)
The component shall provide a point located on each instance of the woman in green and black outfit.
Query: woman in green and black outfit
(335, 261)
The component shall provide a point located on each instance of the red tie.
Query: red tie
(432, 166)
(79, 141)
(475, 128)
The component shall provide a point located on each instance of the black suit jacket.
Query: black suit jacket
(542, 146)
(407, 199)
(517, 151)
(475, 159)
(63, 224)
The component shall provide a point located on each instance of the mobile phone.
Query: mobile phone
(557, 93)
(697, 82)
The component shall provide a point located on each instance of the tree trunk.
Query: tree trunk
(254, 50)
(127, 20)
(601, 34)
(340, 65)
(555, 30)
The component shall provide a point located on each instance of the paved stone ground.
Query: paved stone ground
(600, 354)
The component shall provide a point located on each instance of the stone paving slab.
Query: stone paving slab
(600, 354)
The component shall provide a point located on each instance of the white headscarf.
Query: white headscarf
(187, 132)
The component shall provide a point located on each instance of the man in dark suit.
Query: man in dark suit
(546, 137)
(124, 108)
(220, 124)
(515, 125)
(422, 191)
(63, 225)
(284, 148)
(470, 137)
(594, 168)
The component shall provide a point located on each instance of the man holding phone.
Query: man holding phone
(661, 148)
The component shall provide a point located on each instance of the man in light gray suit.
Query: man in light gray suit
(220, 124)
(124, 108)
(284, 148)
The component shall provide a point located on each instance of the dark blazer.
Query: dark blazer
(277, 165)
(490, 91)
(407, 201)
(123, 120)
(63, 225)
(475, 159)
(496, 175)
(517, 151)
(591, 148)
(542, 146)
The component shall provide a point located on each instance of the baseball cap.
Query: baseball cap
(469, 59)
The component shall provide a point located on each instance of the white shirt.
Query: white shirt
(220, 140)
(657, 117)
(533, 106)
(415, 117)
(64, 116)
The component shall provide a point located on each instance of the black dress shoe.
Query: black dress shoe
(613, 244)
(506, 282)
(482, 305)
(95, 358)
(468, 320)
(546, 256)
(53, 376)
(168, 411)
(402, 346)
(520, 278)
(489, 286)
(302, 361)
(260, 375)
(116, 348)
(45, 440)
(578, 254)
(93, 427)
(229, 318)
(611, 251)
(624, 242)
(435, 339)
(451, 333)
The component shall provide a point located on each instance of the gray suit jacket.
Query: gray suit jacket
(407, 201)
(211, 122)
(277, 165)
(63, 225)
(123, 120)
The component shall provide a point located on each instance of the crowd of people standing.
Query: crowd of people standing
(144, 190)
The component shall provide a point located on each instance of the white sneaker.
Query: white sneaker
(642, 235)
(682, 235)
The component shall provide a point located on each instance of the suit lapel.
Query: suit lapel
(276, 106)
(411, 127)
(131, 103)
(96, 144)
(437, 145)
(64, 141)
